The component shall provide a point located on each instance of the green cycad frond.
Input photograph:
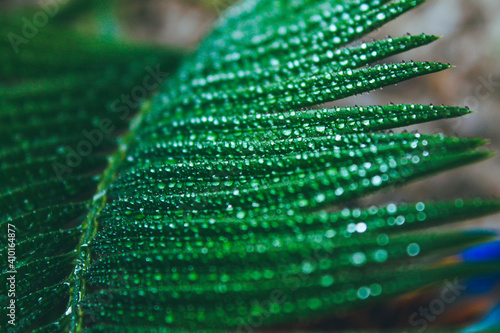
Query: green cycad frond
(210, 214)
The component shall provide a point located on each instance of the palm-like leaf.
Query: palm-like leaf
(211, 213)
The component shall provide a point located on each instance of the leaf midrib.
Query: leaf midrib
(90, 225)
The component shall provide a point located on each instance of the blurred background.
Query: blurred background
(471, 42)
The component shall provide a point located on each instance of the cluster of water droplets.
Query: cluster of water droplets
(218, 202)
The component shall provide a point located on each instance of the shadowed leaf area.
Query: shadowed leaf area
(150, 190)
